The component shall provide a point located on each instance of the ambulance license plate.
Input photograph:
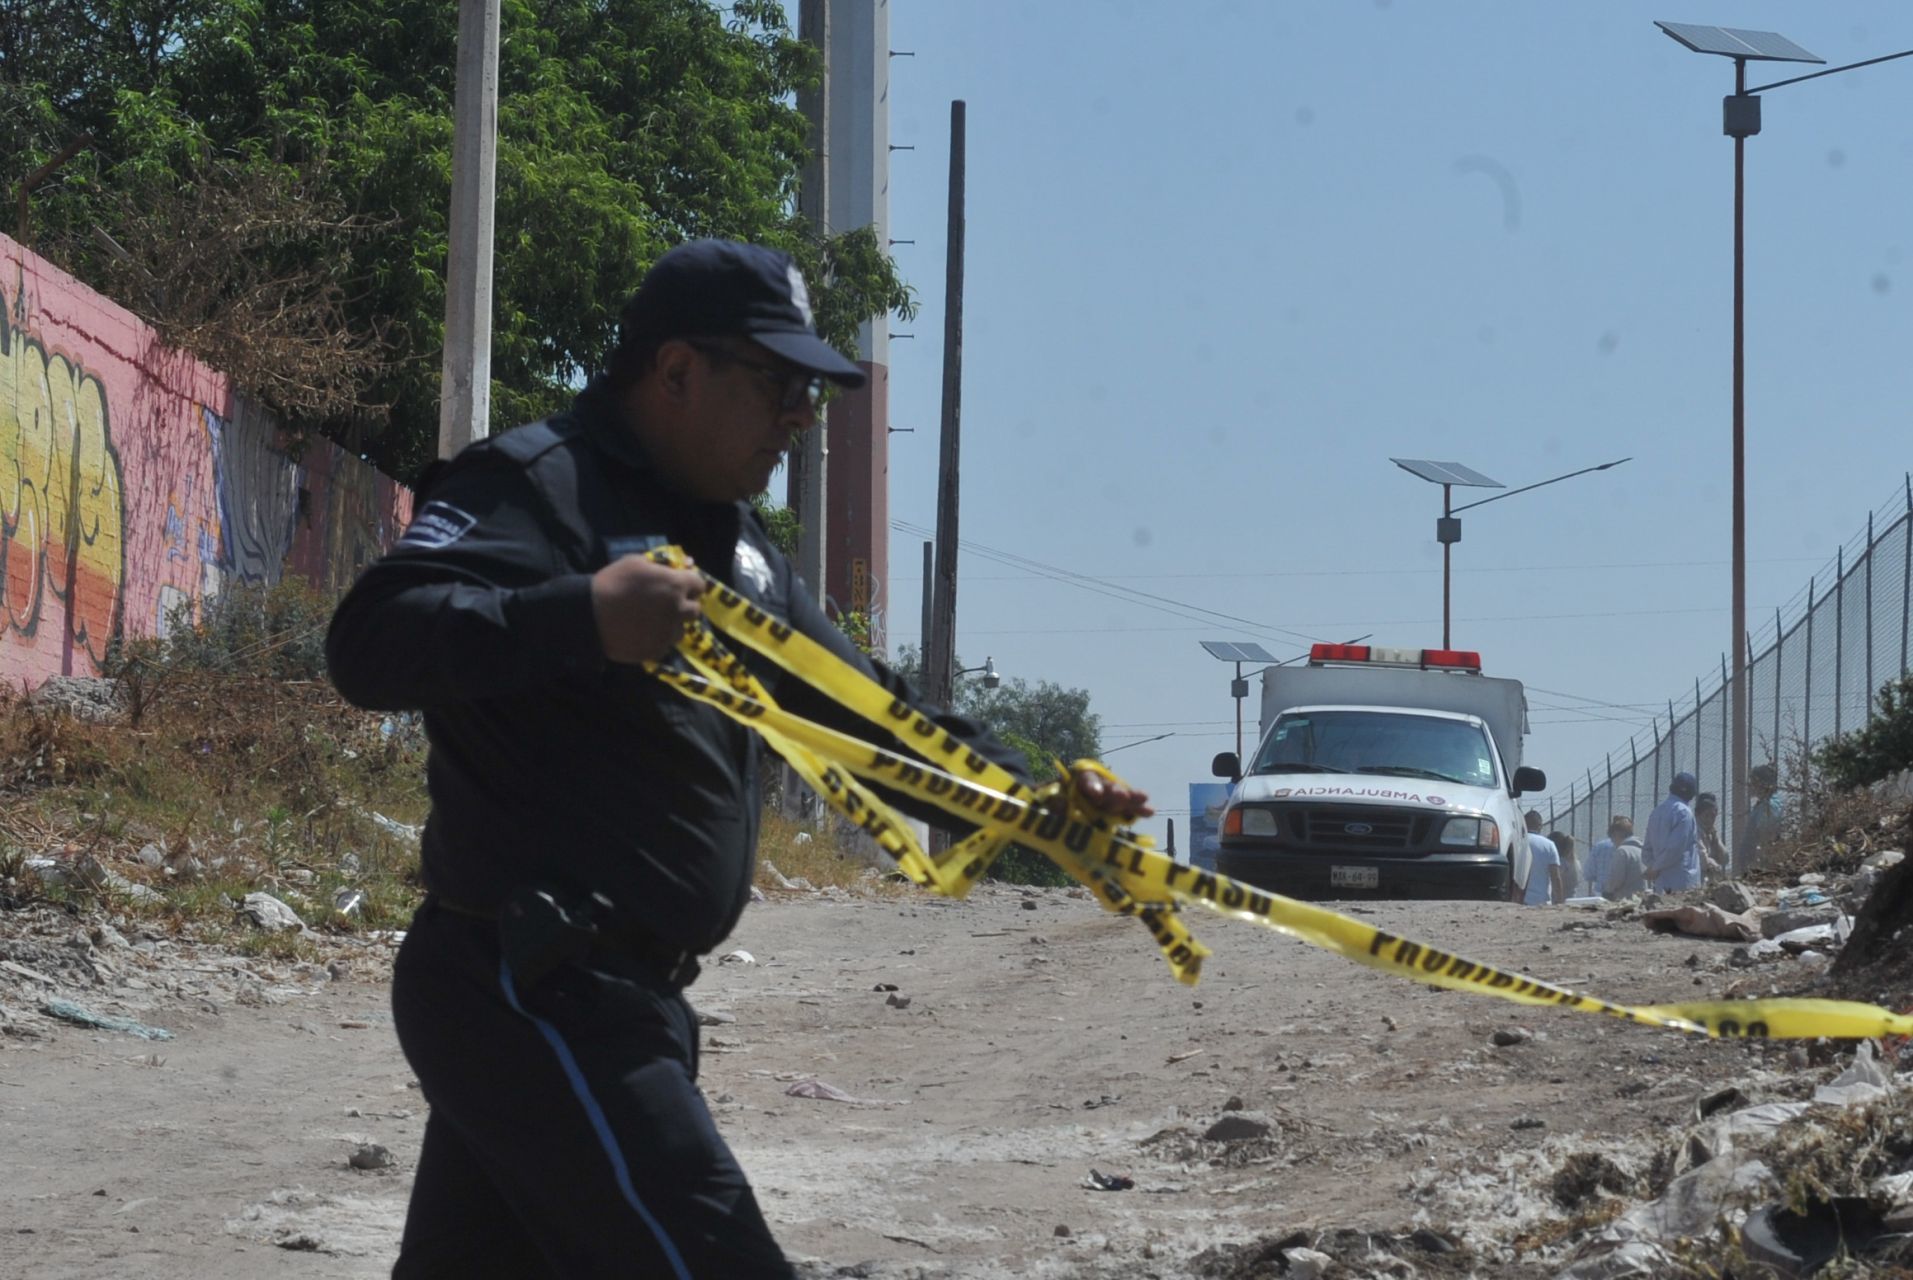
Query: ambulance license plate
(1354, 878)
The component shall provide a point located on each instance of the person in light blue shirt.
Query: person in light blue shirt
(1619, 828)
(1671, 852)
(1544, 867)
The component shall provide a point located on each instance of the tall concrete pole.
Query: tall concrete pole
(940, 661)
(810, 464)
(857, 558)
(465, 386)
(923, 633)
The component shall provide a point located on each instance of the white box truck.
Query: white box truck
(1382, 772)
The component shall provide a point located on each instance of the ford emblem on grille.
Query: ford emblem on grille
(1358, 828)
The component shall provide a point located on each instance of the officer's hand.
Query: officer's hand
(642, 606)
(1110, 797)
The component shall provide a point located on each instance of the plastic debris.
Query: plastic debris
(1109, 1181)
(67, 1011)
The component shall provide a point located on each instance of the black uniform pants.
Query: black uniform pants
(567, 1137)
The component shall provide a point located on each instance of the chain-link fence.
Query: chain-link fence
(1814, 670)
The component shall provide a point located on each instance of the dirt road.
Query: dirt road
(1038, 1038)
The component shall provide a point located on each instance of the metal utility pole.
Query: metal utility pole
(939, 661)
(1740, 120)
(465, 385)
(809, 464)
(923, 635)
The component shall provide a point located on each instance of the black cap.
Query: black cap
(721, 288)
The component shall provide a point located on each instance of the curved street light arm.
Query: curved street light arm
(1781, 84)
(1538, 484)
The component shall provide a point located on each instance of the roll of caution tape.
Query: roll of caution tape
(1120, 867)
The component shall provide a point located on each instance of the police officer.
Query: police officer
(593, 832)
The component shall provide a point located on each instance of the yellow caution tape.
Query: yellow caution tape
(1120, 867)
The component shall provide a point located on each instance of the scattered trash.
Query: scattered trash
(824, 1092)
(1732, 897)
(1238, 1126)
(1029, 904)
(1728, 1099)
(1705, 921)
(1529, 1122)
(1794, 899)
(67, 1011)
(370, 1156)
(1109, 1181)
(885, 986)
(737, 957)
(1184, 1056)
(349, 902)
(896, 1001)
(1813, 935)
(1864, 1080)
(393, 827)
(1508, 1037)
(714, 1018)
(1800, 1243)
(1306, 1264)
(1107, 1100)
(266, 912)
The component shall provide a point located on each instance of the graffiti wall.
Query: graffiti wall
(134, 479)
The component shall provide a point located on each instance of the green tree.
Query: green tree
(1047, 722)
(1880, 748)
(625, 126)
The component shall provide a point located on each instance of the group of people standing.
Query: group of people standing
(1681, 849)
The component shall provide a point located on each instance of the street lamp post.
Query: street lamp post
(1740, 120)
(1139, 742)
(990, 678)
(1238, 652)
(1448, 528)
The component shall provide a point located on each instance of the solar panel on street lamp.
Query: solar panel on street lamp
(1238, 652)
(1733, 42)
(1446, 473)
(1448, 528)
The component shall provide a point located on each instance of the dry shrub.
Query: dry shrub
(821, 859)
(1838, 831)
(248, 267)
(244, 782)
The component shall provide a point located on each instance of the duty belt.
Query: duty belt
(677, 967)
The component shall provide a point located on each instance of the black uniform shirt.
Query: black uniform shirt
(549, 764)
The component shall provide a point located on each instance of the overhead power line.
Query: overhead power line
(1112, 589)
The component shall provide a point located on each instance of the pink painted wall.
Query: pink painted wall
(134, 478)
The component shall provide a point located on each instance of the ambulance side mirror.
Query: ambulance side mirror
(1527, 779)
(1226, 765)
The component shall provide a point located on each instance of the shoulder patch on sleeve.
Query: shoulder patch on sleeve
(437, 524)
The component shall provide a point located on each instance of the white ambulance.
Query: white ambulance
(1382, 773)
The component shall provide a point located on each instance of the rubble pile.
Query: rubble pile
(121, 973)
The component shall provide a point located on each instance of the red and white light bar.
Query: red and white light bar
(1379, 656)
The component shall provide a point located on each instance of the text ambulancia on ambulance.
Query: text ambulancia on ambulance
(1382, 772)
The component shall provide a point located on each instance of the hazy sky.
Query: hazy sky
(1225, 259)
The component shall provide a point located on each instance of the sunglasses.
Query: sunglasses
(795, 388)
